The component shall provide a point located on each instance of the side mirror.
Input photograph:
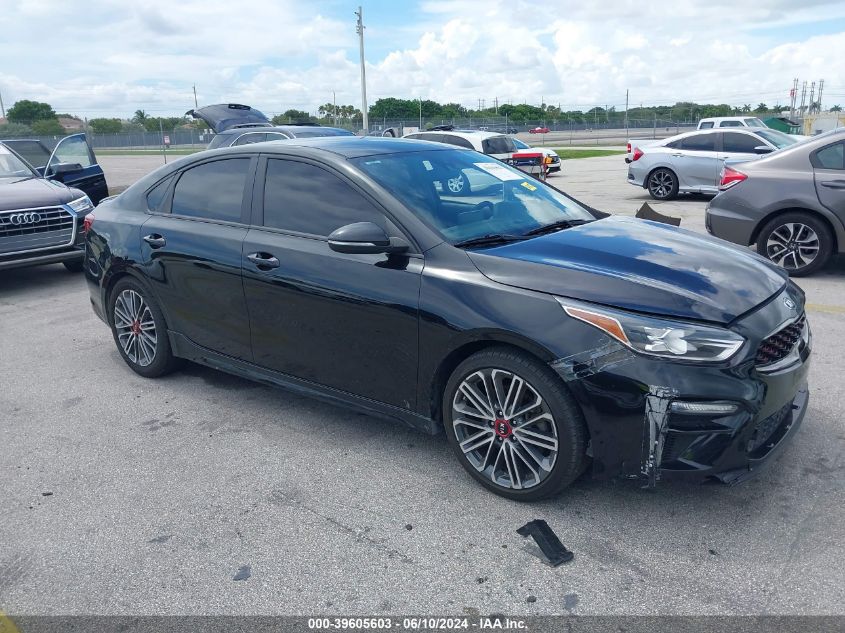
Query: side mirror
(762, 149)
(60, 170)
(365, 237)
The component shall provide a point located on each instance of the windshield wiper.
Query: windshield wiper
(556, 226)
(488, 240)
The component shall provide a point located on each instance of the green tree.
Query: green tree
(746, 108)
(140, 116)
(761, 107)
(47, 127)
(292, 116)
(27, 112)
(836, 108)
(106, 126)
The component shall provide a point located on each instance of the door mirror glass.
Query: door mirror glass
(365, 237)
(763, 149)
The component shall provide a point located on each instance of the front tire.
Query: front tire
(513, 425)
(662, 184)
(139, 330)
(798, 242)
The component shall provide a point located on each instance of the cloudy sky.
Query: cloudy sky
(111, 57)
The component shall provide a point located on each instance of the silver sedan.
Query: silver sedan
(691, 162)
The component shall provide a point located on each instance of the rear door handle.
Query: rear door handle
(834, 184)
(155, 240)
(263, 261)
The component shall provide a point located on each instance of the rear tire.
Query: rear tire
(525, 438)
(798, 242)
(662, 184)
(139, 330)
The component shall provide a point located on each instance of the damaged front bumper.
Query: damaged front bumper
(658, 420)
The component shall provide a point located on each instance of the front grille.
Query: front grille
(767, 427)
(781, 343)
(20, 231)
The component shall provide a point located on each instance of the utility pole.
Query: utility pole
(793, 95)
(496, 101)
(812, 97)
(803, 98)
(334, 105)
(420, 113)
(819, 101)
(360, 30)
(196, 105)
(2, 107)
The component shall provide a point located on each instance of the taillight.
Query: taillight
(629, 148)
(87, 221)
(638, 154)
(730, 177)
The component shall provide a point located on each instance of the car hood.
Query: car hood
(223, 116)
(638, 265)
(34, 193)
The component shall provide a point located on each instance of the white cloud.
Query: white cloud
(108, 57)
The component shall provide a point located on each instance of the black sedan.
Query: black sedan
(543, 337)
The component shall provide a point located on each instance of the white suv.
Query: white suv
(730, 121)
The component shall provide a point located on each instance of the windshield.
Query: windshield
(754, 122)
(465, 195)
(13, 167)
(777, 138)
(521, 145)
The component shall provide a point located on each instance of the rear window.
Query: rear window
(705, 126)
(830, 157)
(498, 145)
(731, 124)
(459, 141)
(700, 143)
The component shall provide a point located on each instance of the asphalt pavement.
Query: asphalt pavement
(202, 493)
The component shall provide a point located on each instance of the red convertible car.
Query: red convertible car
(539, 130)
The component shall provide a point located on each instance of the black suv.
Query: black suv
(44, 198)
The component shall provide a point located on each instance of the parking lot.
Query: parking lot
(125, 495)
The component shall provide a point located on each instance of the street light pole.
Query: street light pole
(420, 113)
(360, 30)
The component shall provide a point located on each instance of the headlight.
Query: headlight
(81, 205)
(659, 337)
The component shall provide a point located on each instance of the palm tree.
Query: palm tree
(140, 117)
(836, 108)
(746, 108)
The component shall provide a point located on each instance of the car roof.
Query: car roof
(346, 146)
(291, 129)
(482, 134)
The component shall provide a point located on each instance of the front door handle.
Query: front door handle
(263, 261)
(155, 240)
(834, 184)
(678, 155)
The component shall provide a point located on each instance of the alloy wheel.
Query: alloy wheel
(135, 326)
(456, 184)
(504, 428)
(661, 183)
(792, 245)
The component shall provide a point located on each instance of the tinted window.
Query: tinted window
(740, 143)
(730, 124)
(830, 157)
(776, 137)
(456, 140)
(73, 149)
(755, 122)
(32, 152)
(156, 196)
(308, 199)
(700, 143)
(498, 145)
(706, 126)
(252, 137)
(212, 190)
(675, 144)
